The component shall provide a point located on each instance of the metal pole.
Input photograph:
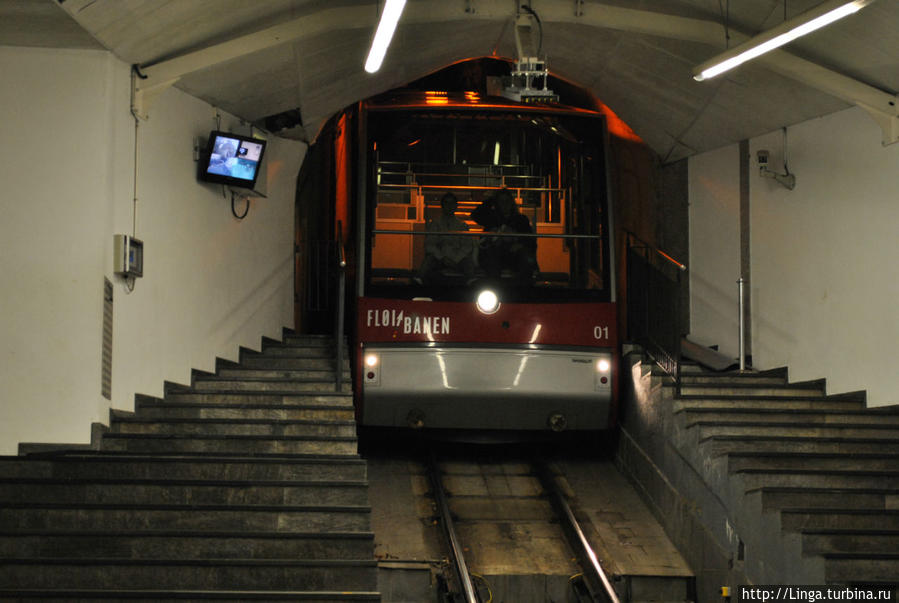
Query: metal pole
(740, 284)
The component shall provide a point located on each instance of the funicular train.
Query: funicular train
(481, 293)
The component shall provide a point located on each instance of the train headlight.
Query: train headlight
(488, 302)
(372, 370)
(603, 379)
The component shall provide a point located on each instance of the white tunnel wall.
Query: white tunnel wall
(825, 280)
(211, 283)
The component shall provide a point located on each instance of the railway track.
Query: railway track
(477, 500)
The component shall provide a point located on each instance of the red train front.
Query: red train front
(481, 282)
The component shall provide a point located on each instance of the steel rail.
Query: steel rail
(596, 578)
(446, 520)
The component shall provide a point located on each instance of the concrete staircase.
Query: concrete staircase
(824, 467)
(245, 485)
(793, 485)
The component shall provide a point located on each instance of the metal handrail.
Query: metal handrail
(341, 308)
(680, 265)
(488, 233)
(469, 187)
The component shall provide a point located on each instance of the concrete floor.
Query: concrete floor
(512, 542)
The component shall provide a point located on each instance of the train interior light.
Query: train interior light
(603, 365)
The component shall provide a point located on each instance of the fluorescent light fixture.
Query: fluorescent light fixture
(816, 18)
(386, 26)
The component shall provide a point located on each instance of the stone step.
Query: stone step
(289, 363)
(794, 416)
(224, 427)
(284, 351)
(191, 574)
(824, 542)
(767, 403)
(798, 520)
(877, 480)
(794, 390)
(238, 518)
(724, 444)
(187, 491)
(240, 444)
(872, 569)
(183, 596)
(709, 429)
(826, 462)
(775, 377)
(271, 386)
(775, 499)
(186, 544)
(211, 410)
(326, 374)
(325, 398)
(310, 339)
(262, 468)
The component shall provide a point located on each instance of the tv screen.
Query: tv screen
(232, 159)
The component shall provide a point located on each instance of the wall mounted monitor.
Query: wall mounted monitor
(231, 159)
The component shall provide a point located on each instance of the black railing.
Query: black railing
(341, 308)
(654, 284)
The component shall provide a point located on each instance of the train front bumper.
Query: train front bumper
(487, 388)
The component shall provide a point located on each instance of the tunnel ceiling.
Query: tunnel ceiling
(636, 56)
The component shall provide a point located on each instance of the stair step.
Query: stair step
(272, 386)
(198, 574)
(826, 462)
(325, 398)
(284, 412)
(774, 499)
(878, 480)
(286, 351)
(726, 379)
(109, 466)
(235, 444)
(147, 544)
(797, 520)
(239, 518)
(768, 403)
(709, 429)
(184, 596)
(290, 363)
(223, 427)
(752, 391)
(823, 542)
(809, 417)
(143, 491)
(725, 444)
(326, 374)
(864, 569)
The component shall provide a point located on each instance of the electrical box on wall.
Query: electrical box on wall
(129, 256)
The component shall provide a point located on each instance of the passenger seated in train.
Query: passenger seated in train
(442, 253)
(500, 214)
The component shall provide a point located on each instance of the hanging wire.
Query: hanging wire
(245, 211)
(725, 16)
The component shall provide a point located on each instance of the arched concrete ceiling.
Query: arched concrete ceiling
(256, 58)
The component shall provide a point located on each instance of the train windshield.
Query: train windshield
(457, 198)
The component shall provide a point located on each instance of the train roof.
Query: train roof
(474, 101)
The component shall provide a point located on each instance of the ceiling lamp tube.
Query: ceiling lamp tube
(386, 26)
(816, 18)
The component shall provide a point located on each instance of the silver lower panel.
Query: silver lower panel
(474, 388)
